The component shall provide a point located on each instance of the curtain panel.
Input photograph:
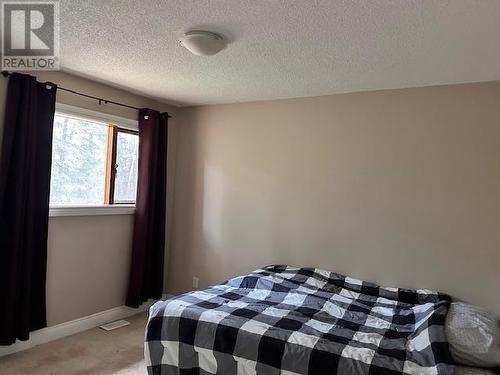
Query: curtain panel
(146, 270)
(25, 163)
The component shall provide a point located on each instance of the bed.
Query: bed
(286, 320)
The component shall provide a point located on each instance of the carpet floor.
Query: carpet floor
(95, 352)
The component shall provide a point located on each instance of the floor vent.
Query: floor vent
(114, 325)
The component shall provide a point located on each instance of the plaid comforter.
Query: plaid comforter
(285, 320)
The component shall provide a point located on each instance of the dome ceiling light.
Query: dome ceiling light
(203, 43)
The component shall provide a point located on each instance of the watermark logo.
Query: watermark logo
(30, 35)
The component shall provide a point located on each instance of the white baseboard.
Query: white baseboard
(58, 331)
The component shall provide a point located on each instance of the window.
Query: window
(123, 154)
(127, 157)
(93, 163)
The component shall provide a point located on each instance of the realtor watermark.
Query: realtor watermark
(30, 35)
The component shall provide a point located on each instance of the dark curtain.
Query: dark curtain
(146, 270)
(25, 162)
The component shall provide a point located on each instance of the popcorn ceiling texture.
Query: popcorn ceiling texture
(280, 48)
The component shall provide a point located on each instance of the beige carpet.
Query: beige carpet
(91, 352)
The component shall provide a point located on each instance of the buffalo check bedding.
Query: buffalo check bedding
(286, 320)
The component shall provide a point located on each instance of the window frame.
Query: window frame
(115, 125)
(111, 166)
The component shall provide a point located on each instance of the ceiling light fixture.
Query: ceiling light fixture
(203, 43)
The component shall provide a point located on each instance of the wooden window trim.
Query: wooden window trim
(109, 190)
(111, 167)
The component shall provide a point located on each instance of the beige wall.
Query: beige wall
(88, 256)
(399, 187)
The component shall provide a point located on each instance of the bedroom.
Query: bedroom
(359, 138)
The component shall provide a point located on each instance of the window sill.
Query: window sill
(56, 211)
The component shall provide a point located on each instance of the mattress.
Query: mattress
(287, 320)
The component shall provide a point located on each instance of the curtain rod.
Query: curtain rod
(100, 100)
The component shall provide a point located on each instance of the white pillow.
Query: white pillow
(473, 335)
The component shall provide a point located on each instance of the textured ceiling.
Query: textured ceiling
(280, 48)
